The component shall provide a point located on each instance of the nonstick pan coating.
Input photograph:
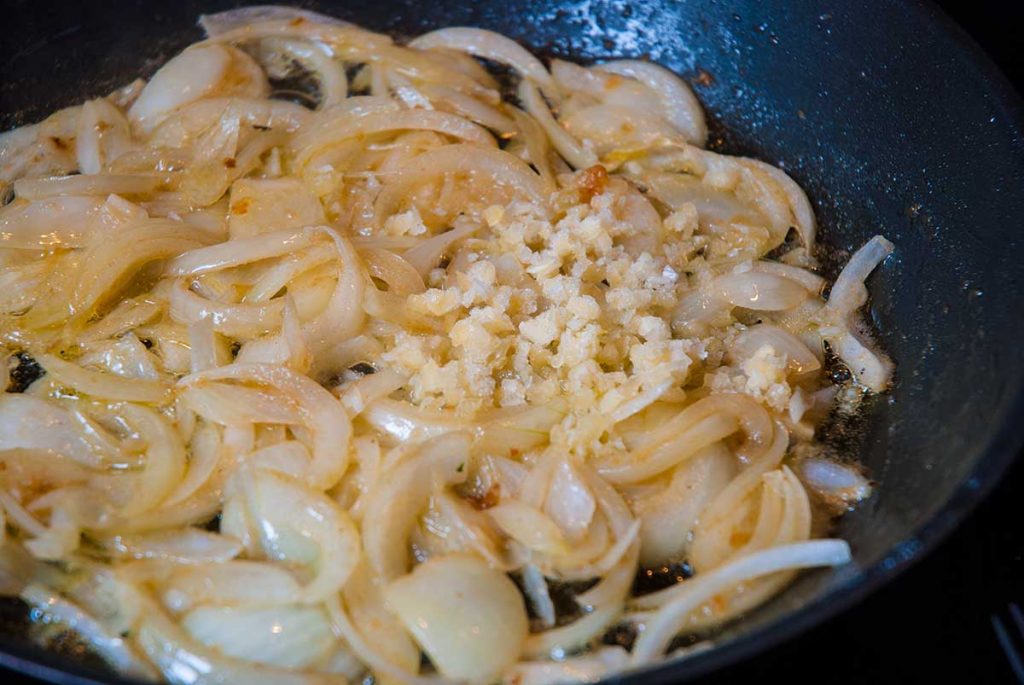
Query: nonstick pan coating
(884, 111)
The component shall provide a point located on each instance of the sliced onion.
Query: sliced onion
(326, 419)
(833, 480)
(469, 618)
(872, 369)
(803, 214)
(294, 637)
(58, 222)
(571, 149)
(489, 45)
(529, 526)
(184, 661)
(286, 513)
(703, 423)
(336, 131)
(505, 175)
(108, 645)
(426, 256)
(229, 584)
(234, 253)
(83, 185)
(104, 385)
(570, 504)
(679, 104)
(187, 546)
(687, 596)
(759, 291)
(332, 83)
(587, 668)
(848, 293)
(189, 76)
(230, 20)
(103, 134)
(400, 496)
(400, 275)
(668, 517)
(800, 360)
(32, 423)
(259, 206)
(536, 588)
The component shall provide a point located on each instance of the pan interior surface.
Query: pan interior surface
(889, 117)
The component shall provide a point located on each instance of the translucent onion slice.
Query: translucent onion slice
(67, 434)
(187, 546)
(400, 275)
(489, 45)
(189, 76)
(469, 618)
(237, 252)
(687, 596)
(184, 661)
(329, 425)
(109, 264)
(222, 22)
(111, 647)
(259, 206)
(571, 149)
(58, 222)
(834, 481)
(294, 637)
(849, 293)
(400, 496)
(79, 185)
(668, 516)
(529, 526)
(102, 385)
(703, 423)
(679, 104)
(332, 84)
(103, 134)
(283, 508)
(340, 129)
(503, 174)
(587, 668)
(759, 291)
(187, 124)
(800, 360)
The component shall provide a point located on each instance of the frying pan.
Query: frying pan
(884, 111)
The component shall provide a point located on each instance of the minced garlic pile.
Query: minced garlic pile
(558, 309)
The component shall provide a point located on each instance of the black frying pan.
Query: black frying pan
(889, 116)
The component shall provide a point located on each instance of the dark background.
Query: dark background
(933, 624)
